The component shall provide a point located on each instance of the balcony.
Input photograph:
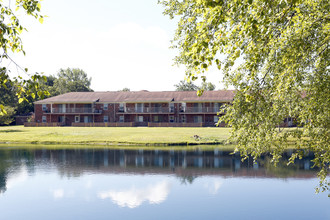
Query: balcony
(197, 110)
(74, 111)
(150, 110)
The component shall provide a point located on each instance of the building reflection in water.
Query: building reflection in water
(185, 164)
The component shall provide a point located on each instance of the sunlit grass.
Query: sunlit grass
(111, 135)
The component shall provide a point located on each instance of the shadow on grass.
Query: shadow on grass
(10, 131)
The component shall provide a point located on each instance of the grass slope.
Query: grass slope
(111, 135)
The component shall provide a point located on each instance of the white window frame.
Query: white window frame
(105, 106)
(44, 119)
(44, 107)
(76, 118)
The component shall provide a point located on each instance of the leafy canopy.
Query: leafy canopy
(72, 80)
(276, 55)
(10, 40)
(190, 86)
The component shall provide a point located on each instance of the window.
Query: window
(105, 118)
(44, 119)
(183, 119)
(121, 118)
(44, 107)
(77, 118)
(171, 118)
(217, 107)
(139, 118)
(215, 119)
(171, 107)
(183, 107)
(121, 107)
(158, 107)
(105, 106)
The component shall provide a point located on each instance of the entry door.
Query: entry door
(85, 119)
(139, 107)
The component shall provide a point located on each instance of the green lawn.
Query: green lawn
(111, 135)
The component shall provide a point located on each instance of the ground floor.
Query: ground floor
(128, 120)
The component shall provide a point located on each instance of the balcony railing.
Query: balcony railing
(150, 110)
(199, 110)
(75, 110)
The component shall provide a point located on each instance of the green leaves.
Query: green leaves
(10, 31)
(41, 19)
(276, 55)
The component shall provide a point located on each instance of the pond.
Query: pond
(154, 184)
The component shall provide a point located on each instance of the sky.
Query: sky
(119, 44)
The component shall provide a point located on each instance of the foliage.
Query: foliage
(125, 90)
(185, 86)
(276, 55)
(190, 86)
(208, 86)
(10, 31)
(52, 85)
(6, 119)
(72, 80)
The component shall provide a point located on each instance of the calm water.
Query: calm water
(137, 184)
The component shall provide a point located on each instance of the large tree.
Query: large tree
(10, 40)
(72, 80)
(276, 55)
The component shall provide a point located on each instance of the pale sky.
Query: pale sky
(117, 43)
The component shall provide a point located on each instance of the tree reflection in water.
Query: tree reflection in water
(186, 165)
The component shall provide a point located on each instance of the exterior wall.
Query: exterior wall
(152, 116)
(38, 112)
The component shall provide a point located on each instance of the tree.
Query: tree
(125, 90)
(208, 86)
(276, 55)
(10, 31)
(185, 86)
(190, 86)
(7, 118)
(72, 80)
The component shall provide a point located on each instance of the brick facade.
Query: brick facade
(119, 108)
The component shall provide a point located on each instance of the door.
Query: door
(139, 107)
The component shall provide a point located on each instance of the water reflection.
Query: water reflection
(154, 184)
(134, 197)
(186, 165)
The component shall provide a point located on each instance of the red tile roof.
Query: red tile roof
(141, 96)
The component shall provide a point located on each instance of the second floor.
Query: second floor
(131, 108)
